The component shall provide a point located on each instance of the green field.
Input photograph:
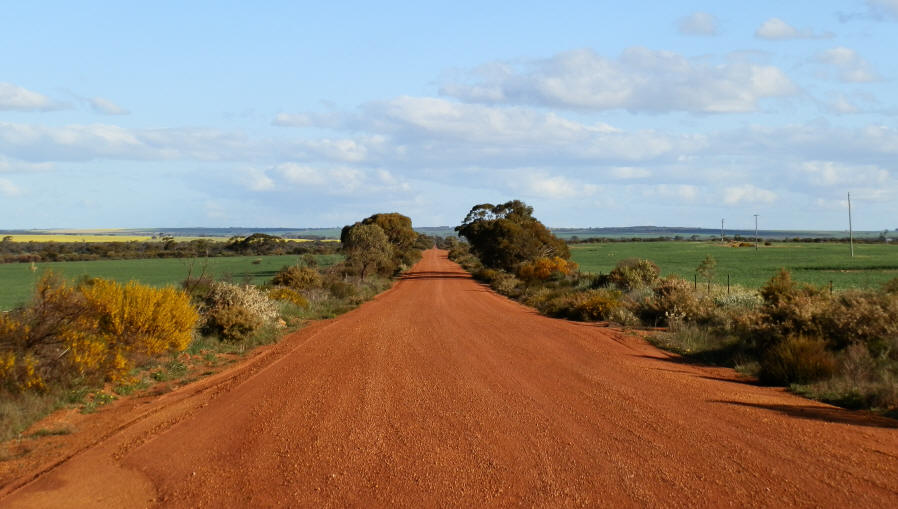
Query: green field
(17, 279)
(816, 263)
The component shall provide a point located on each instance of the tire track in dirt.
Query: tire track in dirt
(442, 393)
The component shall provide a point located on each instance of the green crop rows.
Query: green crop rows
(815, 263)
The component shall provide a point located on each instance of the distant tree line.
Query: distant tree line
(257, 244)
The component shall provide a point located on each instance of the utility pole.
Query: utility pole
(721, 231)
(850, 230)
(756, 232)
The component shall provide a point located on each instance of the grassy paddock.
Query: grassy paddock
(17, 279)
(90, 238)
(815, 263)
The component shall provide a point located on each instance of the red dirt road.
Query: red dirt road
(441, 393)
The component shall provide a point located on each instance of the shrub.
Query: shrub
(234, 312)
(580, 305)
(633, 273)
(288, 295)
(506, 284)
(797, 359)
(672, 300)
(544, 268)
(778, 288)
(788, 310)
(859, 316)
(223, 294)
(94, 331)
(297, 278)
(232, 322)
(342, 289)
(595, 305)
(198, 287)
(891, 286)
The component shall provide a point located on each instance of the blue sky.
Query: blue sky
(172, 114)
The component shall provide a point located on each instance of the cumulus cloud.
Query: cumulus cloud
(8, 189)
(640, 80)
(436, 131)
(775, 29)
(698, 23)
(747, 193)
(836, 174)
(16, 98)
(847, 65)
(106, 107)
(258, 180)
(335, 179)
(545, 185)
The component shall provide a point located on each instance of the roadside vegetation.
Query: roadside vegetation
(837, 346)
(89, 342)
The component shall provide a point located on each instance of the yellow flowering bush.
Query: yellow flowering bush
(544, 268)
(96, 329)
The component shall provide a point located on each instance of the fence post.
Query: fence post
(695, 282)
(728, 284)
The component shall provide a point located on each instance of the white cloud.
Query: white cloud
(16, 98)
(698, 23)
(630, 172)
(847, 65)
(640, 80)
(301, 175)
(552, 186)
(775, 29)
(842, 105)
(433, 131)
(258, 180)
(106, 107)
(14, 166)
(336, 179)
(104, 141)
(8, 189)
(307, 120)
(678, 192)
(835, 174)
(747, 193)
